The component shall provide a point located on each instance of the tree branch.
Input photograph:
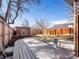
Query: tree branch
(16, 15)
(8, 10)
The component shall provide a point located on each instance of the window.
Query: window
(23, 32)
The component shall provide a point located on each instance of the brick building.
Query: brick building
(22, 31)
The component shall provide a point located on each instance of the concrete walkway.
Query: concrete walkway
(47, 51)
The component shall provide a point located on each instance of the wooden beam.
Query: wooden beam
(76, 24)
(77, 35)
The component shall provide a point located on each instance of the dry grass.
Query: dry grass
(49, 38)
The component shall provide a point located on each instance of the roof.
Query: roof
(60, 26)
(71, 24)
(20, 27)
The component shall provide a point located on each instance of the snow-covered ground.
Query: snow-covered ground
(47, 51)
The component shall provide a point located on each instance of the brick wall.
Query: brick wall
(20, 29)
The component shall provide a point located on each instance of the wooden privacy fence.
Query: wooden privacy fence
(59, 32)
(6, 32)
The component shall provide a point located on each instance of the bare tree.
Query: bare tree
(42, 23)
(25, 23)
(15, 8)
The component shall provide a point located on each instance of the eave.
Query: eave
(70, 2)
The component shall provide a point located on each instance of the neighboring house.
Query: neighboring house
(22, 31)
(66, 25)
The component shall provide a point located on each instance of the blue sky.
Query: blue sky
(51, 10)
